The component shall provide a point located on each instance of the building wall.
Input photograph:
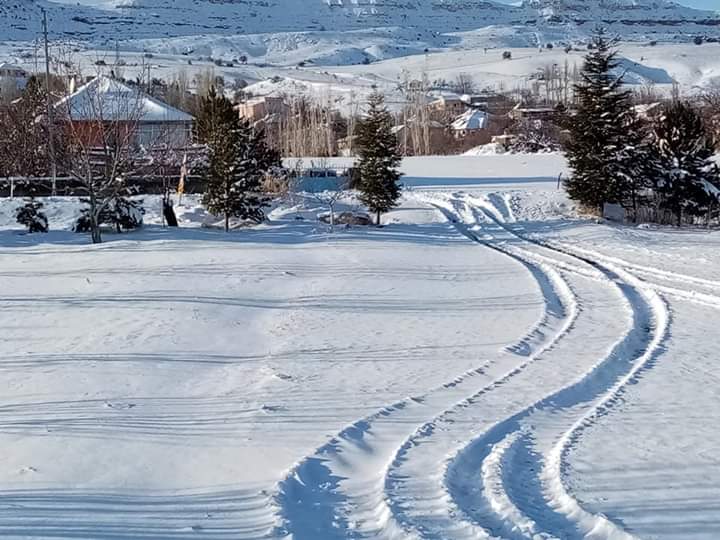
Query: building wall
(173, 134)
(255, 110)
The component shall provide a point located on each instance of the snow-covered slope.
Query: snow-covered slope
(534, 22)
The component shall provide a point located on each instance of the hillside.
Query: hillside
(435, 24)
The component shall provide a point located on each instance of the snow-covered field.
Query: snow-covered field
(486, 365)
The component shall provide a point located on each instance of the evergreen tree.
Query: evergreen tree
(31, 216)
(606, 139)
(121, 212)
(238, 160)
(686, 177)
(213, 115)
(379, 159)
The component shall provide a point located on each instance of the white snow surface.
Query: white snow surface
(486, 365)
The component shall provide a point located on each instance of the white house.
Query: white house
(107, 100)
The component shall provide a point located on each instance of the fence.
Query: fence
(71, 187)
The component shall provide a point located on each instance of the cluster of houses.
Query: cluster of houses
(468, 120)
(450, 122)
(485, 117)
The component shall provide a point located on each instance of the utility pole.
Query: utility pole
(48, 104)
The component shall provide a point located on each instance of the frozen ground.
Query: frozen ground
(484, 366)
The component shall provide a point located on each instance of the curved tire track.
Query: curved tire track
(605, 382)
(425, 520)
(309, 498)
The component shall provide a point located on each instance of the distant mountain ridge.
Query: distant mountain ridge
(534, 22)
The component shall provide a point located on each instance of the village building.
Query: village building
(12, 79)
(411, 134)
(262, 109)
(108, 101)
(487, 101)
(471, 122)
(12, 71)
(450, 106)
(542, 114)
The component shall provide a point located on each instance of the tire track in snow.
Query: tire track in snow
(606, 383)
(310, 499)
(650, 276)
(433, 502)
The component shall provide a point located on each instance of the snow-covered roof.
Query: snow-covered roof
(432, 124)
(109, 100)
(5, 66)
(472, 119)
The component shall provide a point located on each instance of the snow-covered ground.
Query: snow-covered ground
(487, 365)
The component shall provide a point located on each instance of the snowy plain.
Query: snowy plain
(487, 365)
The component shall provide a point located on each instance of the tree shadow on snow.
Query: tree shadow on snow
(274, 232)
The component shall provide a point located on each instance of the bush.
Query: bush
(698, 40)
(31, 217)
(122, 213)
(507, 55)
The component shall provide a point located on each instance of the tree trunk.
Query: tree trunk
(94, 221)
(95, 230)
(377, 220)
(227, 222)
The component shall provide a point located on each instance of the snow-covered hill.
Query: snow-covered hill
(434, 23)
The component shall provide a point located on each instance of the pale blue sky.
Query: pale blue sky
(702, 4)
(707, 4)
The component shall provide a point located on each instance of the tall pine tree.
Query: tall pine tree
(238, 159)
(686, 177)
(606, 138)
(379, 159)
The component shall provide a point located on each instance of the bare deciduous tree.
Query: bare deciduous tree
(329, 197)
(101, 129)
(464, 84)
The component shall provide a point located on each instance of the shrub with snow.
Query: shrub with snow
(122, 213)
(31, 216)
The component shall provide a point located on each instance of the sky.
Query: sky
(707, 4)
(704, 4)
(700, 4)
